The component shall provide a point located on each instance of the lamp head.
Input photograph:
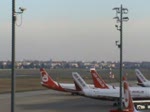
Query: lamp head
(116, 8)
(125, 18)
(125, 10)
(22, 9)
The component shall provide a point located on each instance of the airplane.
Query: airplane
(103, 94)
(128, 105)
(142, 81)
(137, 93)
(48, 82)
(99, 84)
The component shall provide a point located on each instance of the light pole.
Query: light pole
(13, 75)
(120, 10)
(13, 59)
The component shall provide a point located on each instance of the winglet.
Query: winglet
(97, 80)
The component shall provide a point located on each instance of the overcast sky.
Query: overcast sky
(81, 30)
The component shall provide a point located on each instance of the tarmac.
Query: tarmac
(53, 101)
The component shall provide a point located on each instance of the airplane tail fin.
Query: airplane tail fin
(48, 82)
(79, 82)
(77, 87)
(128, 102)
(97, 80)
(140, 77)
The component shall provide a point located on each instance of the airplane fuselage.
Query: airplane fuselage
(144, 84)
(137, 93)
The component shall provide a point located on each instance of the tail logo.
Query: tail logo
(126, 98)
(140, 76)
(78, 78)
(126, 95)
(45, 78)
(97, 78)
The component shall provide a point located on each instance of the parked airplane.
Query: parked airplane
(142, 81)
(98, 82)
(104, 94)
(128, 105)
(48, 82)
(138, 93)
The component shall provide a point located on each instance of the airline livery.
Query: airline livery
(142, 81)
(82, 88)
(98, 81)
(48, 82)
(128, 105)
(138, 93)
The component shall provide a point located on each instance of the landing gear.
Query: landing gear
(139, 107)
(116, 104)
(73, 94)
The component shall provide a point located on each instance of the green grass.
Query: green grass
(32, 81)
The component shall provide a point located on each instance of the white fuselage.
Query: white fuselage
(145, 84)
(136, 93)
(72, 86)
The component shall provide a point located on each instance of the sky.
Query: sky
(75, 30)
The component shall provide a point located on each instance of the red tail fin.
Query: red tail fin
(128, 103)
(97, 80)
(48, 82)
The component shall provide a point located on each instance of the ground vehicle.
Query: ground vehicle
(142, 105)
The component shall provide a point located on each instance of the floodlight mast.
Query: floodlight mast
(13, 75)
(120, 10)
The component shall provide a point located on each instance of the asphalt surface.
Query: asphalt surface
(53, 101)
